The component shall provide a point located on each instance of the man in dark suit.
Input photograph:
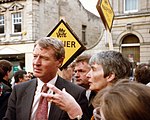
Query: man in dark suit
(48, 56)
(81, 69)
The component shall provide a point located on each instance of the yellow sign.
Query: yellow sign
(106, 12)
(73, 47)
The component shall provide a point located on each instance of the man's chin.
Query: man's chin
(36, 74)
(91, 88)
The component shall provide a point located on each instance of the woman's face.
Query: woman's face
(96, 78)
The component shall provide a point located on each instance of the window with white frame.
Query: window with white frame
(1, 24)
(16, 22)
(130, 6)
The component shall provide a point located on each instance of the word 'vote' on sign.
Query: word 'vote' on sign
(61, 33)
(73, 47)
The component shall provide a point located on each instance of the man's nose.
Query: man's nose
(76, 74)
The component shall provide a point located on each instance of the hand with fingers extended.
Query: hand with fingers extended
(64, 101)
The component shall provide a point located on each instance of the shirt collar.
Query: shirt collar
(41, 83)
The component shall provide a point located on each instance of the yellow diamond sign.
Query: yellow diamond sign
(106, 12)
(73, 47)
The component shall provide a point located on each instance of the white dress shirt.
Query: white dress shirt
(88, 92)
(38, 95)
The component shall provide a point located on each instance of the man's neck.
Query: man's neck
(85, 86)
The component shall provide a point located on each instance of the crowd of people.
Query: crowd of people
(93, 87)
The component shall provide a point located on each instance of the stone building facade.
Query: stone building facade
(131, 30)
(22, 22)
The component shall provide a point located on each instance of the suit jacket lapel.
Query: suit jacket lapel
(91, 108)
(92, 95)
(55, 112)
(28, 94)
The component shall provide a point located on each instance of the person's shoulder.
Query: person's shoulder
(5, 87)
(25, 84)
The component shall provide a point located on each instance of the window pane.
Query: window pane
(16, 17)
(1, 19)
(84, 34)
(1, 29)
(131, 5)
(1, 24)
(17, 27)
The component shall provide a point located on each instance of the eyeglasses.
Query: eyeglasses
(97, 114)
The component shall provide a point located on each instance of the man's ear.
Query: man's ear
(60, 62)
(8, 73)
(110, 77)
(20, 79)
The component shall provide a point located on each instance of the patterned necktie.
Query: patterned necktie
(42, 109)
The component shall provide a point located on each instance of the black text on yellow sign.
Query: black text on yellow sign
(61, 33)
(106, 12)
(73, 47)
